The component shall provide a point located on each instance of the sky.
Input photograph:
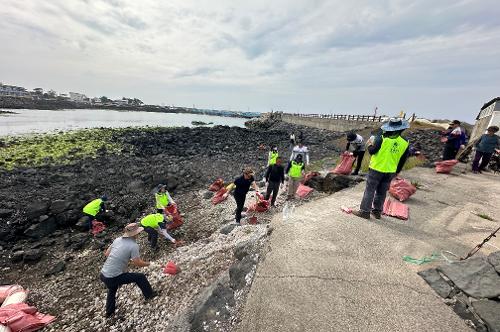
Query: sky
(435, 58)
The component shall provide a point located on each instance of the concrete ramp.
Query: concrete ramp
(329, 271)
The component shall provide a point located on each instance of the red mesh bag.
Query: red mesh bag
(219, 196)
(445, 166)
(261, 205)
(172, 210)
(345, 166)
(396, 209)
(171, 268)
(217, 185)
(401, 189)
(303, 190)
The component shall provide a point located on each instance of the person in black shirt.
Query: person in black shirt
(241, 186)
(275, 175)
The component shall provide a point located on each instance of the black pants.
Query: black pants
(125, 278)
(359, 156)
(152, 236)
(272, 188)
(450, 152)
(240, 203)
(484, 157)
(377, 184)
(161, 211)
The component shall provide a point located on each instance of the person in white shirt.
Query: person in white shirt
(302, 150)
(356, 145)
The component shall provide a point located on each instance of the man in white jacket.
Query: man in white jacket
(302, 150)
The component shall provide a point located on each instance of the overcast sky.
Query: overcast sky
(437, 58)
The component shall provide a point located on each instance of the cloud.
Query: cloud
(312, 55)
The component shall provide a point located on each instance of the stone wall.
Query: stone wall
(329, 124)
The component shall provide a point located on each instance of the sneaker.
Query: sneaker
(354, 173)
(361, 214)
(153, 295)
(377, 214)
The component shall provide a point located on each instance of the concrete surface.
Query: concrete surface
(330, 124)
(329, 271)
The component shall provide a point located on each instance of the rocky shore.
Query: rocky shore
(42, 247)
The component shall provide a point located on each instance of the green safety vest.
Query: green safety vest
(152, 220)
(386, 160)
(296, 170)
(272, 158)
(93, 207)
(161, 200)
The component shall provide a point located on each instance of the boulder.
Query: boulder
(489, 311)
(59, 206)
(437, 282)
(67, 218)
(46, 226)
(243, 249)
(82, 224)
(57, 268)
(33, 255)
(494, 259)
(4, 213)
(474, 276)
(37, 209)
(239, 270)
(17, 256)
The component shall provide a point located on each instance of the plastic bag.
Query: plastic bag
(396, 209)
(445, 166)
(172, 210)
(423, 260)
(219, 196)
(303, 191)
(217, 185)
(345, 165)
(401, 189)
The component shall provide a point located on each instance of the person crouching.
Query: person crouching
(153, 225)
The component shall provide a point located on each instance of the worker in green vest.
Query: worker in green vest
(295, 171)
(95, 210)
(156, 223)
(163, 198)
(389, 152)
(273, 155)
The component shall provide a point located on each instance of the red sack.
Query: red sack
(97, 227)
(171, 210)
(396, 209)
(170, 268)
(218, 197)
(261, 205)
(20, 317)
(401, 189)
(7, 290)
(217, 185)
(309, 176)
(303, 190)
(445, 166)
(345, 166)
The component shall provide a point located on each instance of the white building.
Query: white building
(78, 97)
(13, 91)
(120, 102)
(488, 116)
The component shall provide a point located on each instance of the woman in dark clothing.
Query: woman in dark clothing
(275, 176)
(485, 148)
(241, 186)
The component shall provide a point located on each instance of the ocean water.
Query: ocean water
(45, 121)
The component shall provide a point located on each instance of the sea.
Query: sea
(28, 121)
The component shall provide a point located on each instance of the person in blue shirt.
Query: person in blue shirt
(485, 147)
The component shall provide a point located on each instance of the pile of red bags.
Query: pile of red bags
(260, 205)
(345, 166)
(172, 210)
(396, 209)
(217, 185)
(445, 166)
(303, 190)
(219, 196)
(401, 189)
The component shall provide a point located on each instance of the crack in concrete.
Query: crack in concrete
(352, 281)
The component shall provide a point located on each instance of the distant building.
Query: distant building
(120, 102)
(78, 97)
(13, 91)
(488, 116)
(96, 101)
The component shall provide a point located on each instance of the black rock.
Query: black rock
(59, 267)
(82, 224)
(243, 249)
(17, 256)
(239, 270)
(78, 241)
(36, 209)
(215, 307)
(68, 218)
(33, 255)
(46, 226)
(436, 281)
(59, 206)
(5, 213)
